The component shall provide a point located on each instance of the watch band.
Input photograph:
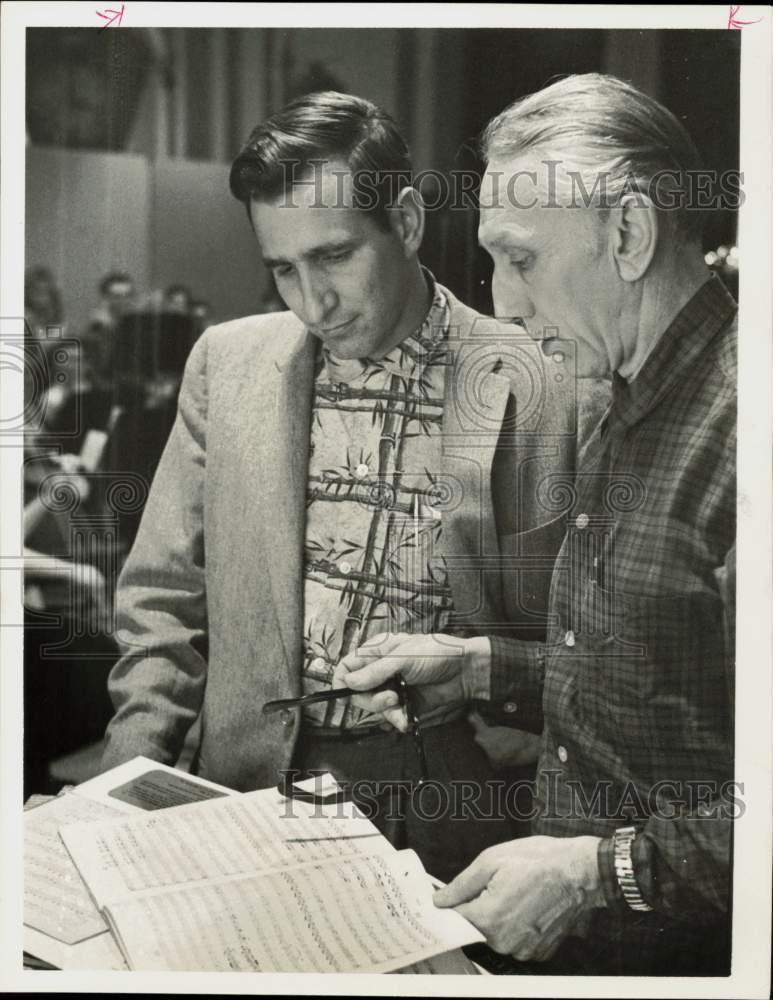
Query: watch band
(624, 838)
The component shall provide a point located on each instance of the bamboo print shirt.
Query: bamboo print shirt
(372, 520)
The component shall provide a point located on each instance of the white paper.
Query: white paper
(56, 901)
(249, 834)
(94, 954)
(62, 923)
(364, 914)
(98, 789)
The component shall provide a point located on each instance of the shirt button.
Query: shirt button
(569, 638)
(582, 521)
(510, 707)
(286, 717)
(318, 663)
(361, 471)
(563, 756)
(345, 567)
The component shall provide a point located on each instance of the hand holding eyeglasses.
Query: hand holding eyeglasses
(432, 666)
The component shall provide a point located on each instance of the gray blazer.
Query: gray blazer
(210, 614)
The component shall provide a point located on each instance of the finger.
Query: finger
(382, 643)
(382, 701)
(477, 723)
(477, 913)
(398, 717)
(375, 673)
(550, 940)
(373, 649)
(467, 884)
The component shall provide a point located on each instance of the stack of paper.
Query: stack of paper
(118, 875)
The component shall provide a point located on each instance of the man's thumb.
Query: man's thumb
(478, 724)
(467, 884)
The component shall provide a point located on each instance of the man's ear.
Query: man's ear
(635, 231)
(407, 219)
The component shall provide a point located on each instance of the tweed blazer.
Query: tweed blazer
(209, 601)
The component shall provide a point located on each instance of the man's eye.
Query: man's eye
(521, 263)
(283, 270)
(334, 258)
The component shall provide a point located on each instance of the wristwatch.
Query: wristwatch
(624, 838)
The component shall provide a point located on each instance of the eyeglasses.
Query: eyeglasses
(406, 701)
(405, 694)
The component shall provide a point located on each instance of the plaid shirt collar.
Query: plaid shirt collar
(410, 356)
(673, 356)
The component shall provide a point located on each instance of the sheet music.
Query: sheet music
(62, 923)
(251, 833)
(56, 901)
(368, 914)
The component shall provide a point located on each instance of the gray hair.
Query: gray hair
(617, 139)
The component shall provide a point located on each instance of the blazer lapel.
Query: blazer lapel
(475, 403)
(284, 444)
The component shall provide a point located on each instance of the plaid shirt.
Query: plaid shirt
(633, 688)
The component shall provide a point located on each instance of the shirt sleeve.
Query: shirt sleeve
(511, 687)
(682, 863)
(681, 866)
(157, 685)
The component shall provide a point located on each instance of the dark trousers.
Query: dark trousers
(448, 819)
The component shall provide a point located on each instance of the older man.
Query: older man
(587, 212)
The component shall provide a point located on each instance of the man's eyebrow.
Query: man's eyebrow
(504, 240)
(334, 246)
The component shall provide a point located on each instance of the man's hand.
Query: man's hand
(527, 895)
(431, 665)
(504, 746)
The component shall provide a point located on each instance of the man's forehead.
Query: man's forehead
(322, 184)
(517, 200)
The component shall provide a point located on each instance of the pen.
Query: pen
(312, 699)
(309, 699)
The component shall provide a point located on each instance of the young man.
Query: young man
(354, 467)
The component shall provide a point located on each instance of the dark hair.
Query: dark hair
(607, 128)
(319, 127)
(114, 278)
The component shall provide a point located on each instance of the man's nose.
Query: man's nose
(319, 298)
(511, 299)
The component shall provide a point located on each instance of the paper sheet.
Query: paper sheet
(365, 914)
(56, 901)
(96, 953)
(248, 834)
(101, 787)
(62, 923)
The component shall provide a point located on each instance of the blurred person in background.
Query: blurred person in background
(177, 299)
(42, 301)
